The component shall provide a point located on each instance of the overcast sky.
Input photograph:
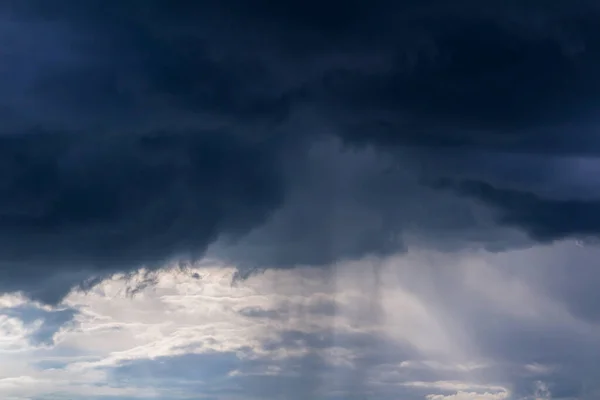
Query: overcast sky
(385, 199)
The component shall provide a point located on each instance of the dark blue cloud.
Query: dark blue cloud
(136, 135)
(106, 203)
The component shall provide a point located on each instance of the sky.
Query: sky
(299, 200)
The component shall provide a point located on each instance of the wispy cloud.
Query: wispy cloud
(371, 328)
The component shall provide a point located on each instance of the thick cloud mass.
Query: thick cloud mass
(118, 201)
(135, 134)
(544, 219)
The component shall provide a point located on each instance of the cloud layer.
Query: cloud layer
(409, 191)
(280, 135)
(420, 326)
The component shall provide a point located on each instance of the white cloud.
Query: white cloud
(12, 300)
(14, 334)
(455, 386)
(469, 396)
(431, 306)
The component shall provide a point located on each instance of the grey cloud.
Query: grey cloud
(347, 205)
(507, 342)
(559, 333)
(106, 203)
(569, 273)
(138, 135)
(312, 374)
(215, 365)
(323, 308)
(545, 219)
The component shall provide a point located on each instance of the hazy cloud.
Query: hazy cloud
(420, 324)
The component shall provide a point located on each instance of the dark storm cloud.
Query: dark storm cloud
(545, 219)
(503, 75)
(136, 133)
(110, 202)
